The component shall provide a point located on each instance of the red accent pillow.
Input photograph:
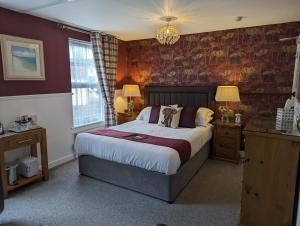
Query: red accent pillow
(187, 117)
(154, 114)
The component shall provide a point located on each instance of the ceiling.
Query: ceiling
(139, 19)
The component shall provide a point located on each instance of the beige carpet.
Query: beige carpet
(211, 199)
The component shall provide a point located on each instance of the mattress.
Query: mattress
(148, 156)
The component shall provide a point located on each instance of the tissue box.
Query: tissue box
(284, 119)
(28, 166)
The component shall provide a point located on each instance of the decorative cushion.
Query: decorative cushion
(187, 117)
(169, 116)
(204, 116)
(154, 114)
(144, 115)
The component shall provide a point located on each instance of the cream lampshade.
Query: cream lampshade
(120, 102)
(227, 94)
(131, 91)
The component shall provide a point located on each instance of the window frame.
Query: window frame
(91, 125)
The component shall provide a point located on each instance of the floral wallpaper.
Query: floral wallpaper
(252, 58)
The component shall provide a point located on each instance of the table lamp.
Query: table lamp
(227, 94)
(131, 91)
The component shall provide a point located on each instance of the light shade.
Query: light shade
(120, 102)
(228, 93)
(131, 91)
(167, 35)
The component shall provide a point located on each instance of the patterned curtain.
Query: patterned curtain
(105, 49)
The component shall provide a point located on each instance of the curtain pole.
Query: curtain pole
(63, 27)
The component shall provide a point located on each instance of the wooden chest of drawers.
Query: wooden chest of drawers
(125, 117)
(270, 188)
(227, 141)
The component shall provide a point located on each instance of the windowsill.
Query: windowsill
(88, 127)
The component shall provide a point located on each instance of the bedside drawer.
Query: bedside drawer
(226, 142)
(223, 152)
(24, 140)
(227, 138)
(226, 131)
(123, 117)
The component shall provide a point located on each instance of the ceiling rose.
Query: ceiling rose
(167, 34)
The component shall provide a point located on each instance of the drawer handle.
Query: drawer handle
(24, 141)
(246, 160)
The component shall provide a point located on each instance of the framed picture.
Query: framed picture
(22, 58)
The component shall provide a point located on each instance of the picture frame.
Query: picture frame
(22, 58)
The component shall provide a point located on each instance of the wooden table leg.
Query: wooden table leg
(33, 150)
(44, 155)
(3, 174)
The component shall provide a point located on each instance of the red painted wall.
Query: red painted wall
(56, 53)
(252, 58)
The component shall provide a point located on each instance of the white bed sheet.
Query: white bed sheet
(148, 156)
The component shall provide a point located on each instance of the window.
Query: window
(87, 101)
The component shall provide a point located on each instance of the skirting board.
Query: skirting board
(61, 161)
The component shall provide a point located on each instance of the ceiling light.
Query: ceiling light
(167, 34)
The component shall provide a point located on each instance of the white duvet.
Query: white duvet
(148, 156)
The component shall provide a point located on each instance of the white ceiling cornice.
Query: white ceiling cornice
(139, 19)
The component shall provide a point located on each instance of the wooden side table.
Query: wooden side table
(16, 140)
(227, 141)
(125, 117)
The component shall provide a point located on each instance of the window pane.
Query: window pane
(87, 99)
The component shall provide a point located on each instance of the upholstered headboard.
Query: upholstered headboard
(198, 96)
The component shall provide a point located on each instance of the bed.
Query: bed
(160, 175)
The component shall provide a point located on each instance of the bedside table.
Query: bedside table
(227, 141)
(11, 141)
(125, 117)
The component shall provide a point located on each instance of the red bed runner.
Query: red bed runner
(183, 147)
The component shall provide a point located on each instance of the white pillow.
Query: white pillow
(144, 115)
(169, 116)
(203, 116)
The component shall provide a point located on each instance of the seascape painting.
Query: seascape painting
(23, 59)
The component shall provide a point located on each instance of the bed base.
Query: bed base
(157, 185)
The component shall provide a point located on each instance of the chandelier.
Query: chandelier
(167, 34)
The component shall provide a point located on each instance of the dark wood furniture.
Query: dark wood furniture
(158, 185)
(125, 117)
(227, 141)
(269, 189)
(16, 140)
(1, 197)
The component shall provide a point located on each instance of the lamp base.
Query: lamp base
(226, 113)
(225, 119)
(130, 107)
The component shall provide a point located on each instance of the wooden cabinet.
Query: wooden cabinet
(16, 140)
(270, 175)
(227, 141)
(125, 117)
